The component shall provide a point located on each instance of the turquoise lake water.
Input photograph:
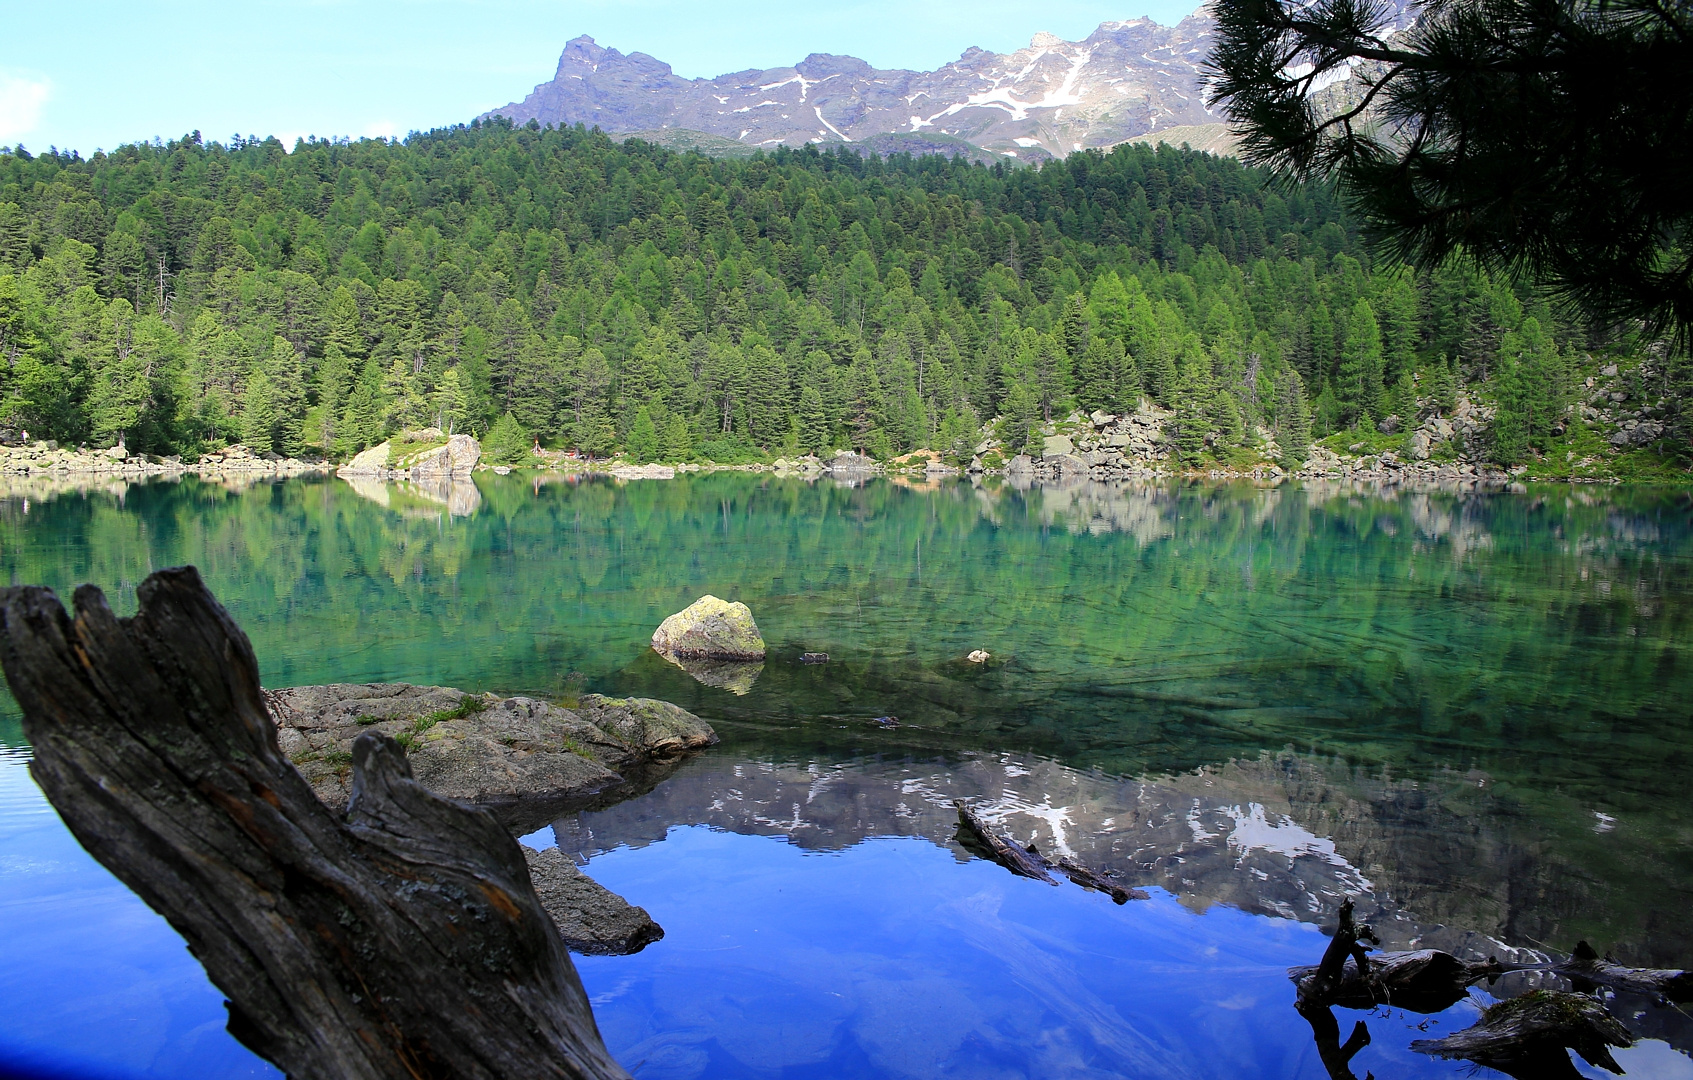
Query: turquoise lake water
(1471, 710)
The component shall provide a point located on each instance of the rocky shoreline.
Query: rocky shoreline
(1440, 451)
(526, 761)
(49, 459)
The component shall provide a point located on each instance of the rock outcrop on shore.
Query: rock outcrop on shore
(424, 454)
(526, 760)
(644, 472)
(50, 459)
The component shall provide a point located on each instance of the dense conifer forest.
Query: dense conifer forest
(530, 284)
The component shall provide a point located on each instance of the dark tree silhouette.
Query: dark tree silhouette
(1547, 138)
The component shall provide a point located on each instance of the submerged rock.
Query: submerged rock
(590, 918)
(526, 760)
(710, 629)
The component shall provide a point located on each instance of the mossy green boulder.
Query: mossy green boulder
(710, 629)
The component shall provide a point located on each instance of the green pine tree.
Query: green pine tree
(1293, 421)
(1195, 409)
(259, 416)
(1358, 381)
(641, 445)
(506, 443)
(814, 421)
(1022, 422)
(677, 443)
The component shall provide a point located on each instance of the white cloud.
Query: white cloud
(21, 99)
(382, 129)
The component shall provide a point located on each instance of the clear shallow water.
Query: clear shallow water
(1470, 708)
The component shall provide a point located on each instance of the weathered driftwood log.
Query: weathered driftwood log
(404, 941)
(1424, 981)
(1526, 1036)
(1089, 878)
(1587, 969)
(1027, 862)
(975, 834)
(1336, 1055)
(1320, 986)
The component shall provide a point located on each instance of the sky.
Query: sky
(94, 74)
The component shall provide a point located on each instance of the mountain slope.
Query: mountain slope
(1126, 79)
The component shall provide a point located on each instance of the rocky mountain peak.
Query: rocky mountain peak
(1127, 79)
(825, 65)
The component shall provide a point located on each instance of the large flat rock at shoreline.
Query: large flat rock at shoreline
(590, 917)
(526, 760)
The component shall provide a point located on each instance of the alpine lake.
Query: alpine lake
(1471, 710)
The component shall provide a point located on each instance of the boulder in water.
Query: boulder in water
(710, 629)
(590, 918)
(526, 760)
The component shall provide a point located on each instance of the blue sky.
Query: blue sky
(89, 74)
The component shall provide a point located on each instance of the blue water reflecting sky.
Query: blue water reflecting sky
(891, 958)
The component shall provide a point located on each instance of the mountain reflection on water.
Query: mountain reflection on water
(1469, 708)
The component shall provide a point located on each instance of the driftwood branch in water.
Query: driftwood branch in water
(1336, 1056)
(1587, 969)
(1424, 981)
(1001, 849)
(1320, 987)
(1027, 862)
(1526, 1036)
(1089, 878)
(403, 942)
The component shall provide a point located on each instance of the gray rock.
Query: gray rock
(644, 472)
(1102, 419)
(1067, 465)
(847, 461)
(1021, 465)
(445, 459)
(590, 918)
(710, 629)
(524, 759)
(1058, 445)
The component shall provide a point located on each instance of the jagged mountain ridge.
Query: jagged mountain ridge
(1127, 79)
